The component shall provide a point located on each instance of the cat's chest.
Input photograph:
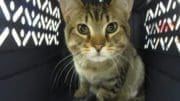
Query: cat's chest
(93, 76)
(96, 76)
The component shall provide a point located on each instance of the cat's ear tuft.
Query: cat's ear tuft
(125, 4)
(130, 5)
(68, 7)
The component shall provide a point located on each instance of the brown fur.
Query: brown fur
(107, 64)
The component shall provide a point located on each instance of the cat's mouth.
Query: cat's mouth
(97, 57)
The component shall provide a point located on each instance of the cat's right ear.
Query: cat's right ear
(70, 7)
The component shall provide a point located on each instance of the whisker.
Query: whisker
(71, 81)
(77, 80)
(62, 60)
(76, 74)
(55, 73)
(67, 74)
(65, 58)
(60, 73)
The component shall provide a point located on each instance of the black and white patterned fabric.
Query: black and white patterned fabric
(29, 23)
(31, 44)
(156, 35)
(162, 24)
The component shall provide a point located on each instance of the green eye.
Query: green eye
(111, 28)
(83, 29)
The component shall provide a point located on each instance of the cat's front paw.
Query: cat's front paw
(81, 93)
(89, 97)
(141, 98)
(103, 94)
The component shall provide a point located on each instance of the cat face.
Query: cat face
(96, 32)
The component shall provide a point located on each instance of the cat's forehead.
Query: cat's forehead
(95, 5)
(96, 2)
(95, 11)
(98, 13)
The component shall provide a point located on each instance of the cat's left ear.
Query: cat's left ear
(126, 5)
(130, 4)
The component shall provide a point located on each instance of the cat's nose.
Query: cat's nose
(98, 47)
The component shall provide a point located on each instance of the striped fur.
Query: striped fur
(115, 72)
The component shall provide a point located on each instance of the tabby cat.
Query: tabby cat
(98, 36)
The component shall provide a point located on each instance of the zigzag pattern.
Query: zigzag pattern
(161, 9)
(171, 23)
(164, 25)
(168, 23)
(46, 20)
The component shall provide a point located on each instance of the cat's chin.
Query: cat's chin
(97, 58)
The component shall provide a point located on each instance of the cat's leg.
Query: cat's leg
(141, 98)
(103, 95)
(83, 89)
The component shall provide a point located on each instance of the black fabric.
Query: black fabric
(162, 77)
(161, 87)
(27, 59)
(161, 62)
(31, 44)
(161, 26)
(31, 85)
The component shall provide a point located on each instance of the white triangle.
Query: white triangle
(3, 36)
(177, 42)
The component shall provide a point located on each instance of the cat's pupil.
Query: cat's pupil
(111, 28)
(83, 29)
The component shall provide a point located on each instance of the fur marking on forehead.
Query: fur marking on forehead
(96, 10)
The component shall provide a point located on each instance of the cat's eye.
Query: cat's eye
(111, 28)
(83, 29)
